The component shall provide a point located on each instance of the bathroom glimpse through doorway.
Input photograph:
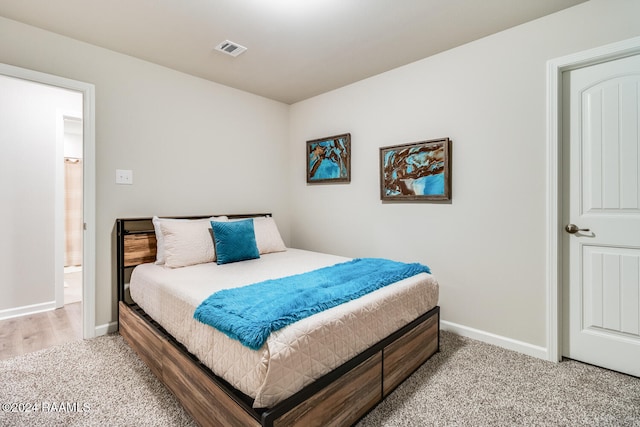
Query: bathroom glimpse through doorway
(73, 222)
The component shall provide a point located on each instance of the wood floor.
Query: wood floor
(26, 334)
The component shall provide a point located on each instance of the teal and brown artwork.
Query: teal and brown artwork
(416, 172)
(329, 159)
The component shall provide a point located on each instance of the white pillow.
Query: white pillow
(160, 245)
(268, 237)
(187, 243)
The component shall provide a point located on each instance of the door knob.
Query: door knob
(573, 229)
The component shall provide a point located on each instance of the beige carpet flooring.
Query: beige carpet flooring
(101, 382)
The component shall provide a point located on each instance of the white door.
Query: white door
(601, 291)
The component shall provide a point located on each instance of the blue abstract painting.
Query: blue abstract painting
(417, 171)
(329, 159)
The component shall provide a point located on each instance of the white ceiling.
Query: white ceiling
(296, 48)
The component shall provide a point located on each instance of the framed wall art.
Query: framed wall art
(419, 171)
(329, 159)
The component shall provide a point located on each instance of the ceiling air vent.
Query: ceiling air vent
(230, 48)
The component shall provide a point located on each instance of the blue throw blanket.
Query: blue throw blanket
(250, 313)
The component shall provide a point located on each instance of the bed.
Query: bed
(328, 369)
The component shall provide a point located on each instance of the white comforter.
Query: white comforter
(293, 356)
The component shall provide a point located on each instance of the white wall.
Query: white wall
(73, 138)
(487, 247)
(195, 147)
(28, 114)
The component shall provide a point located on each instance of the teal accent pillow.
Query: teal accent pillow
(234, 241)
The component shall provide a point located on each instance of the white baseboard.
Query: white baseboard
(27, 309)
(500, 341)
(107, 328)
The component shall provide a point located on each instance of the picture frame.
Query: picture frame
(329, 159)
(418, 171)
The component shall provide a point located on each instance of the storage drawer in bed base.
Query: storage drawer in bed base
(341, 397)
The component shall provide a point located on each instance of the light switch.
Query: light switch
(124, 176)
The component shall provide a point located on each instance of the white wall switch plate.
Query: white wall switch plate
(124, 176)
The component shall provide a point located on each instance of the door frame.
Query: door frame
(89, 183)
(555, 163)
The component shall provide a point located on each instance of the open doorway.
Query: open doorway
(32, 208)
(73, 222)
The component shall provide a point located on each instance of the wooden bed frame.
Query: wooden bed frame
(341, 397)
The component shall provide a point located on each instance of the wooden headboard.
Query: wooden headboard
(136, 243)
